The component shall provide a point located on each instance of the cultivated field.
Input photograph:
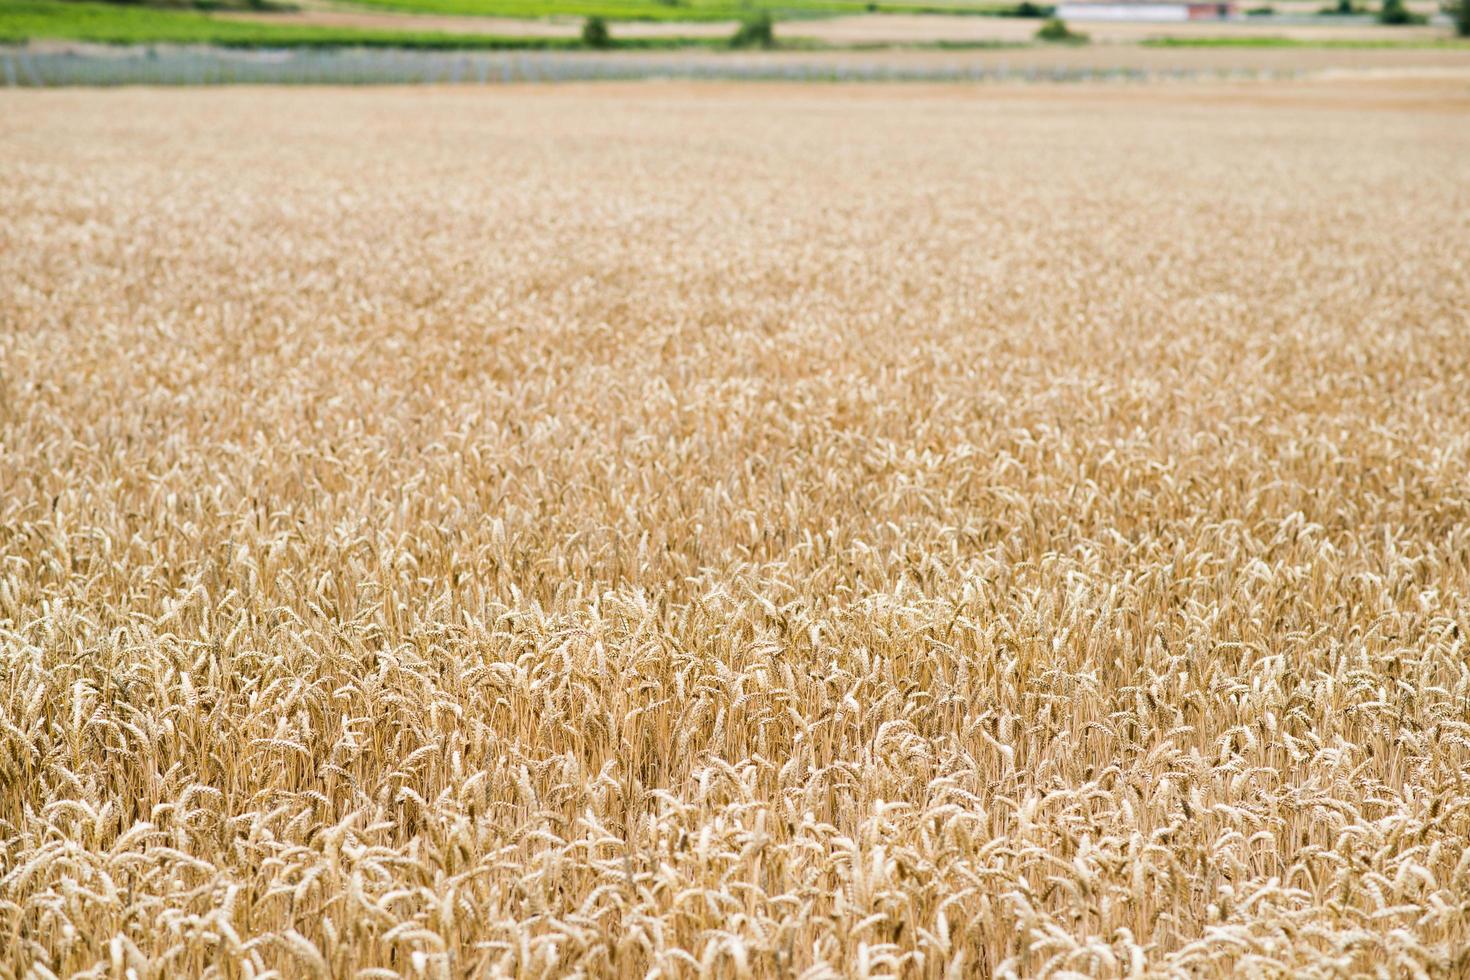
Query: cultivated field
(675, 529)
(867, 29)
(684, 30)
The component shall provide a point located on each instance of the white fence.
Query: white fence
(28, 67)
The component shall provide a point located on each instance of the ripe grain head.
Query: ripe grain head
(732, 531)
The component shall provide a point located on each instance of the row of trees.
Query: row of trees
(1395, 12)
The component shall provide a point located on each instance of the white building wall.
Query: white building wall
(1123, 11)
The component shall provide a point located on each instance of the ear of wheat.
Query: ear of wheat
(734, 531)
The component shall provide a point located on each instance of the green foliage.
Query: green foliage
(260, 6)
(1462, 18)
(1266, 11)
(595, 34)
(1394, 13)
(613, 11)
(113, 23)
(755, 31)
(1056, 31)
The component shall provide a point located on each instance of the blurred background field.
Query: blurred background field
(72, 64)
(692, 25)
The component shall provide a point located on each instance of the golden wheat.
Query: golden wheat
(676, 531)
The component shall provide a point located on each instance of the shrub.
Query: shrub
(595, 33)
(1394, 12)
(756, 31)
(1029, 9)
(1055, 30)
(1462, 18)
(1260, 11)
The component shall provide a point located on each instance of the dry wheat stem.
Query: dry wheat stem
(672, 531)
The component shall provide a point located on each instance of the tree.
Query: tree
(756, 31)
(1057, 31)
(1394, 12)
(595, 33)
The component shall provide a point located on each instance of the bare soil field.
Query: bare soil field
(1449, 61)
(918, 29)
(674, 529)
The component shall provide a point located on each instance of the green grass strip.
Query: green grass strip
(108, 23)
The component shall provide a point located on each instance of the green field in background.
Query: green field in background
(126, 23)
(677, 10)
(108, 23)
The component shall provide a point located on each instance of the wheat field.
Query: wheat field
(679, 530)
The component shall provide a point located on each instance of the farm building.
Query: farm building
(1143, 10)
